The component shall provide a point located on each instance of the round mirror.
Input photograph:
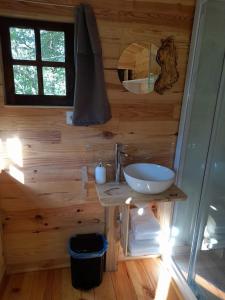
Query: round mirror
(138, 69)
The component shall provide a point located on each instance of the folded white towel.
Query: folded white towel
(144, 247)
(144, 224)
(144, 253)
(144, 235)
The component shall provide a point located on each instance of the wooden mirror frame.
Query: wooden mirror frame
(167, 59)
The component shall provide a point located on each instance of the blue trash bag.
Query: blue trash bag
(80, 254)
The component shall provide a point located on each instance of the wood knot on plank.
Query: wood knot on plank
(39, 217)
(108, 134)
(149, 291)
(16, 290)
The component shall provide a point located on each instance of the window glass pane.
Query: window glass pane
(52, 45)
(25, 80)
(54, 80)
(22, 43)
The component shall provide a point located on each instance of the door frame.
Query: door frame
(184, 125)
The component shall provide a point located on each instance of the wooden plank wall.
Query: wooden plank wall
(2, 260)
(53, 203)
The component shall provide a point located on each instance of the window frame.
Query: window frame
(11, 98)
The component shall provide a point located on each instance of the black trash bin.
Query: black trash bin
(87, 260)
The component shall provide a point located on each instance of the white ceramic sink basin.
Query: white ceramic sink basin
(148, 178)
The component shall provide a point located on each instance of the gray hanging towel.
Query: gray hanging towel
(91, 104)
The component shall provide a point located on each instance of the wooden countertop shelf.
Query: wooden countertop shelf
(113, 194)
(117, 198)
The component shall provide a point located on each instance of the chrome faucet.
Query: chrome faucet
(118, 154)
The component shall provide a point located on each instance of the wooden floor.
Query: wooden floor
(134, 280)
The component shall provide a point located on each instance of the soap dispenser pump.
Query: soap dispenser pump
(100, 173)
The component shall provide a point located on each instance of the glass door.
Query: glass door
(208, 278)
(197, 229)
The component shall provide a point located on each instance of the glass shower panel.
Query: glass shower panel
(207, 82)
(209, 280)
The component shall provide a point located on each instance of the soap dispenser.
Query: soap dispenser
(100, 173)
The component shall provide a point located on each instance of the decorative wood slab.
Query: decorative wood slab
(114, 194)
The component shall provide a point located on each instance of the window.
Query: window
(38, 62)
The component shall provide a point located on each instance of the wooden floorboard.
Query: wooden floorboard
(134, 280)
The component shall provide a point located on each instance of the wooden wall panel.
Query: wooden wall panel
(2, 259)
(53, 202)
